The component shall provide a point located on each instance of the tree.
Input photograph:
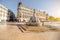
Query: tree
(52, 18)
(57, 19)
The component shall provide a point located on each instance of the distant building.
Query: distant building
(11, 16)
(25, 13)
(5, 14)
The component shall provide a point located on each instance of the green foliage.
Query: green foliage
(57, 19)
(52, 18)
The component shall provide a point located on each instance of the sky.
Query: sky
(52, 7)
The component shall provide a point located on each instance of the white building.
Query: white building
(4, 13)
(26, 13)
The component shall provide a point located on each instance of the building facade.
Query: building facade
(5, 13)
(24, 14)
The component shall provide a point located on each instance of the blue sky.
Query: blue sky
(52, 7)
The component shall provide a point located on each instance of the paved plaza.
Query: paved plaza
(12, 32)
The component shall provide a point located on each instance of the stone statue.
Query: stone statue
(33, 20)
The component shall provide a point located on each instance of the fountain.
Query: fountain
(33, 20)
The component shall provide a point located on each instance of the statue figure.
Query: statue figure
(33, 20)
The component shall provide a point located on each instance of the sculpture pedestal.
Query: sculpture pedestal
(33, 21)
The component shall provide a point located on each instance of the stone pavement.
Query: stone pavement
(10, 32)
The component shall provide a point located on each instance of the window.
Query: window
(3, 10)
(0, 11)
(0, 8)
(27, 14)
(0, 15)
(5, 15)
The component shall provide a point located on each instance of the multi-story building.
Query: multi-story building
(25, 13)
(5, 13)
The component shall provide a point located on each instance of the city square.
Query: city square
(27, 23)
